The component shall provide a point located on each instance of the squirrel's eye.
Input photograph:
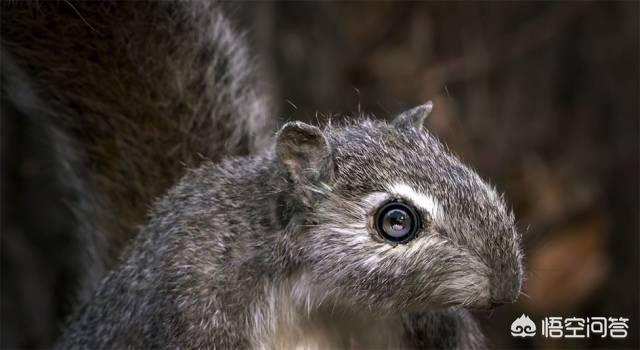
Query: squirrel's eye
(397, 222)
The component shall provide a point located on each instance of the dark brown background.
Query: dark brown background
(540, 97)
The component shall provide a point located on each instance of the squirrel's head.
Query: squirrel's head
(387, 218)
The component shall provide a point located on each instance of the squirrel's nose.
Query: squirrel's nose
(505, 289)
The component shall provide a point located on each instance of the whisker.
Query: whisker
(526, 295)
(82, 18)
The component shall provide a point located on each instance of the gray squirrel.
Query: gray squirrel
(364, 234)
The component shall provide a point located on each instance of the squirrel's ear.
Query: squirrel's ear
(413, 118)
(304, 152)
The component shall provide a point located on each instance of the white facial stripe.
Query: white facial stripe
(422, 200)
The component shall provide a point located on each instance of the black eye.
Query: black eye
(397, 222)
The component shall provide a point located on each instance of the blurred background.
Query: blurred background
(540, 97)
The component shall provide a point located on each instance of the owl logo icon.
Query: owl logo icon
(523, 327)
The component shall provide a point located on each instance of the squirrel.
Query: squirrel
(362, 234)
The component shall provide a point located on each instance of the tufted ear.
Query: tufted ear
(304, 152)
(413, 118)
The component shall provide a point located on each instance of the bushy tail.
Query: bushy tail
(133, 93)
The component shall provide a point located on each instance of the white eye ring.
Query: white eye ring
(427, 203)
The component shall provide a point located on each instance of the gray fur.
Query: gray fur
(231, 257)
